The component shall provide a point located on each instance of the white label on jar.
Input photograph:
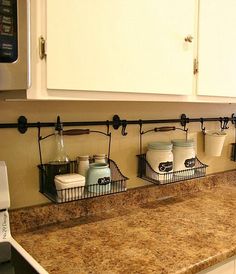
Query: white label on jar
(104, 181)
(165, 166)
(189, 163)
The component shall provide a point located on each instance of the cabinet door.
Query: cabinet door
(217, 48)
(120, 45)
(223, 268)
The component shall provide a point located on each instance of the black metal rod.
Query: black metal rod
(10, 125)
(104, 123)
(71, 124)
(128, 122)
(121, 123)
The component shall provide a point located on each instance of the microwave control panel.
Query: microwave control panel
(8, 31)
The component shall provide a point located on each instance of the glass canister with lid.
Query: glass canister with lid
(184, 156)
(98, 178)
(160, 158)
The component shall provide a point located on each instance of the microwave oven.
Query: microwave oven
(14, 46)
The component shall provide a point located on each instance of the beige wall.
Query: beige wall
(21, 152)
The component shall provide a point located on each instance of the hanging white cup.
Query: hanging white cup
(214, 142)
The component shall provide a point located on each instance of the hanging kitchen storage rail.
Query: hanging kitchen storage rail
(47, 173)
(23, 125)
(146, 172)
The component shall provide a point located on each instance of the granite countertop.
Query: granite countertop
(177, 234)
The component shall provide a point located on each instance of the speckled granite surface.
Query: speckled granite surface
(38, 216)
(183, 234)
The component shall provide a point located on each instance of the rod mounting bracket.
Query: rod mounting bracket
(116, 121)
(184, 120)
(22, 124)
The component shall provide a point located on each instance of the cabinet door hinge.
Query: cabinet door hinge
(42, 48)
(195, 66)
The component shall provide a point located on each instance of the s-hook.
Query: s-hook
(124, 125)
(202, 127)
(183, 121)
(117, 122)
(140, 136)
(108, 127)
(223, 123)
(141, 127)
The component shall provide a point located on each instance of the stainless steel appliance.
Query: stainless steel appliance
(13, 258)
(14, 45)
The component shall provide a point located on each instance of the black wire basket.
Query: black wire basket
(146, 172)
(48, 172)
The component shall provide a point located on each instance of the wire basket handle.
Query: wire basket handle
(72, 132)
(157, 129)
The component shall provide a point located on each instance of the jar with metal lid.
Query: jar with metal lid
(160, 158)
(184, 157)
(100, 158)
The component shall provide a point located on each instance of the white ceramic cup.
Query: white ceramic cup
(214, 142)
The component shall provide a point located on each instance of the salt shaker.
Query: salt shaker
(83, 164)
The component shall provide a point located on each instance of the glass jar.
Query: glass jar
(160, 158)
(98, 178)
(184, 156)
(60, 153)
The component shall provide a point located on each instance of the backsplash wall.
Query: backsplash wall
(21, 151)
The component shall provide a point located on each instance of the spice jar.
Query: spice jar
(83, 164)
(160, 158)
(184, 157)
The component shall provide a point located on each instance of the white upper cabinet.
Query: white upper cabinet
(217, 48)
(125, 45)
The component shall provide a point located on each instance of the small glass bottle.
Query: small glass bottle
(60, 164)
(60, 156)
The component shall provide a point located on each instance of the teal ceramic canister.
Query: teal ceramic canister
(98, 179)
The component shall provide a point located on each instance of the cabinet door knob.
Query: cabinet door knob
(188, 39)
